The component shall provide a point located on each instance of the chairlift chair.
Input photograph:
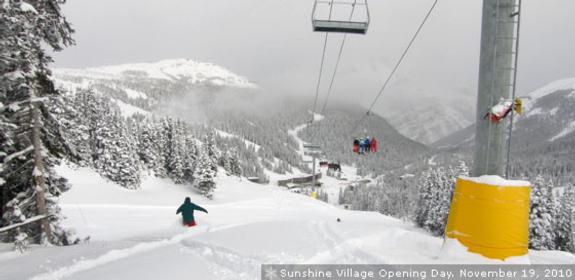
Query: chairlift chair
(341, 16)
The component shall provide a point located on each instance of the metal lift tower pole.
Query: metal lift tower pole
(495, 83)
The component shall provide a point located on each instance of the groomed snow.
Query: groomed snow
(494, 180)
(135, 94)
(128, 110)
(568, 130)
(247, 143)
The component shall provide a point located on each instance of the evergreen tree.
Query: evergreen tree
(175, 145)
(211, 150)
(541, 216)
(124, 167)
(161, 146)
(235, 165)
(435, 196)
(425, 199)
(190, 157)
(69, 113)
(224, 161)
(565, 221)
(204, 174)
(32, 141)
(147, 148)
(441, 200)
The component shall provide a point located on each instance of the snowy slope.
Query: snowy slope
(136, 234)
(552, 105)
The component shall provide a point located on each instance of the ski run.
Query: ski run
(136, 234)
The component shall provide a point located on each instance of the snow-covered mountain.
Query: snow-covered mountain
(177, 86)
(430, 118)
(544, 134)
(186, 89)
(174, 70)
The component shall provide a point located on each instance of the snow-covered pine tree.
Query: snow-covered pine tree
(435, 194)
(461, 170)
(235, 165)
(147, 152)
(205, 174)
(541, 215)
(175, 153)
(190, 157)
(160, 145)
(33, 142)
(565, 221)
(224, 161)
(209, 147)
(440, 202)
(424, 200)
(113, 144)
(69, 112)
(124, 168)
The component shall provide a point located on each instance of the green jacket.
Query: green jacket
(187, 210)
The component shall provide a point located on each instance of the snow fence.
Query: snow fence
(490, 216)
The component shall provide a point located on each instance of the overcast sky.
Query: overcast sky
(271, 43)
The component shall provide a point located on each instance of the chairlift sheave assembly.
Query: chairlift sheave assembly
(341, 16)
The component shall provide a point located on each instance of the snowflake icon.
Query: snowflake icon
(270, 273)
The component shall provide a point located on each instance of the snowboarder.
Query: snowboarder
(187, 210)
(356, 146)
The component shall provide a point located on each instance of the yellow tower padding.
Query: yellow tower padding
(491, 219)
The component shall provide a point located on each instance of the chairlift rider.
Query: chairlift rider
(365, 145)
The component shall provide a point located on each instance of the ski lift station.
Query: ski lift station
(341, 16)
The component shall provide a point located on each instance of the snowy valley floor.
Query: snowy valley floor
(137, 235)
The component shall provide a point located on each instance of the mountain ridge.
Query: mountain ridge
(249, 113)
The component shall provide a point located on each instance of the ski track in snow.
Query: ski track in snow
(339, 249)
(115, 255)
(294, 133)
(226, 263)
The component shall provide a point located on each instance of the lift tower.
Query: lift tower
(499, 37)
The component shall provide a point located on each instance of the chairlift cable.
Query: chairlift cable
(399, 62)
(321, 67)
(341, 47)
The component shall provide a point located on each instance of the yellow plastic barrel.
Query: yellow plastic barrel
(490, 216)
